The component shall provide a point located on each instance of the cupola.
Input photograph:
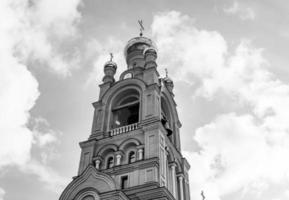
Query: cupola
(135, 51)
(150, 56)
(109, 71)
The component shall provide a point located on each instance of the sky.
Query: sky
(229, 62)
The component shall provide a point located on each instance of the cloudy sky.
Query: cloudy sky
(229, 62)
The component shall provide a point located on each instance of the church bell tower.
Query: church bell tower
(133, 151)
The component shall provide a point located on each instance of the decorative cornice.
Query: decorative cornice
(141, 164)
(87, 143)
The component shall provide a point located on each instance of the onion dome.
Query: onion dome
(150, 50)
(109, 71)
(134, 51)
(150, 53)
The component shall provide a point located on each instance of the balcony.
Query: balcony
(123, 129)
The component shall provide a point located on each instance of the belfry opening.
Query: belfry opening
(125, 109)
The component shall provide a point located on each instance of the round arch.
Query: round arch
(87, 192)
(121, 87)
(105, 148)
(97, 181)
(124, 84)
(127, 142)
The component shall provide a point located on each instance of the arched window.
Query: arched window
(125, 110)
(131, 157)
(109, 163)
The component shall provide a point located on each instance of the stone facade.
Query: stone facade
(134, 149)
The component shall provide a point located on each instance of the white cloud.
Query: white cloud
(185, 49)
(240, 151)
(243, 12)
(18, 95)
(43, 134)
(2, 193)
(53, 181)
(100, 51)
(29, 31)
(38, 30)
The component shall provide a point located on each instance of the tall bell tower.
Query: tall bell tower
(133, 151)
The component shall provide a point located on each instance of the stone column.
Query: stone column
(173, 171)
(140, 154)
(181, 178)
(97, 163)
(118, 156)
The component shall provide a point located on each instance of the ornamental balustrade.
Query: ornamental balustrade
(123, 129)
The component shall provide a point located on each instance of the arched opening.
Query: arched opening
(125, 109)
(131, 157)
(110, 162)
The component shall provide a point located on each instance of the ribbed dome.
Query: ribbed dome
(110, 64)
(150, 50)
(139, 40)
(109, 71)
(136, 46)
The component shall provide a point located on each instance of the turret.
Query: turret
(150, 56)
(109, 72)
(134, 51)
(108, 79)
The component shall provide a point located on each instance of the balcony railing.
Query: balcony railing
(123, 129)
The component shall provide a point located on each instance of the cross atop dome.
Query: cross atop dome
(141, 27)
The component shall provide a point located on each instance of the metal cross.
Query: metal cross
(111, 57)
(202, 194)
(166, 70)
(141, 27)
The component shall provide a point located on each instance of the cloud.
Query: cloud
(30, 32)
(43, 134)
(185, 49)
(2, 193)
(240, 10)
(37, 30)
(19, 91)
(100, 50)
(242, 152)
(53, 181)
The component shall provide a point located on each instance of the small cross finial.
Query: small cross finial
(203, 196)
(111, 57)
(166, 70)
(141, 27)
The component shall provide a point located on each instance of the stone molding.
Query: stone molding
(92, 178)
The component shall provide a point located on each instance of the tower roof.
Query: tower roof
(138, 43)
(110, 63)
